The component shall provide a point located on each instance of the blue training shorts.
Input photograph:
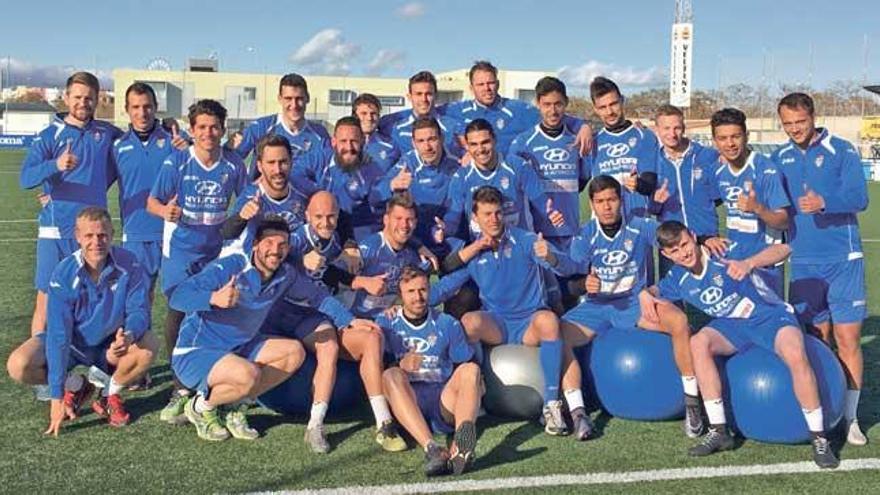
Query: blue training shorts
(148, 254)
(292, 321)
(428, 399)
(830, 291)
(601, 316)
(758, 330)
(81, 355)
(180, 266)
(193, 365)
(50, 252)
(513, 328)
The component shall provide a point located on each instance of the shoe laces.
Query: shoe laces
(389, 429)
(712, 437)
(115, 402)
(553, 413)
(821, 445)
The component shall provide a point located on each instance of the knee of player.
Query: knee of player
(672, 317)
(700, 344)
(469, 372)
(394, 377)
(792, 353)
(16, 366)
(847, 342)
(547, 324)
(296, 354)
(471, 322)
(327, 350)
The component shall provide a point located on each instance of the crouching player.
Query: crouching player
(219, 351)
(618, 253)
(746, 311)
(434, 383)
(97, 316)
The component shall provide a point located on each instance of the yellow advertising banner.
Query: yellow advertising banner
(871, 127)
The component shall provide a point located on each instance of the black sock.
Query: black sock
(691, 401)
(578, 412)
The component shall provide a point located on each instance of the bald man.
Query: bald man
(317, 247)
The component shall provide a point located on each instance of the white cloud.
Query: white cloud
(385, 59)
(411, 10)
(22, 73)
(581, 75)
(327, 50)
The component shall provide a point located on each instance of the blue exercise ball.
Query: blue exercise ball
(633, 374)
(294, 395)
(760, 397)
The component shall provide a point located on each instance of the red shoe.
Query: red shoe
(75, 400)
(112, 408)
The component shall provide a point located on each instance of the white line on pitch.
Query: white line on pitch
(594, 478)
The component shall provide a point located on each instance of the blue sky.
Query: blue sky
(740, 41)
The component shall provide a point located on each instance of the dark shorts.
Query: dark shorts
(428, 399)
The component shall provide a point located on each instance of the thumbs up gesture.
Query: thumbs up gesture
(811, 202)
(542, 250)
(120, 343)
(67, 160)
(555, 216)
(662, 194)
(252, 207)
(226, 296)
(439, 230)
(172, 211)
(176, 140)
(402, 180)
(593, 282)
(313, 261)
(632, 179)
(747, 202)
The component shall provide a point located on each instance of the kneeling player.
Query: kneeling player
(433, 381)
(97, 316)
(746, 312)
(219, 351)
(618, 252)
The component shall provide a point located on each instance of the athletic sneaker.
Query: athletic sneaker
(554, 422)
(854, 435)
(436, 460)
(207, 424)
(112, 408)
(237, 423)
(715, 440)
(315, 439)
(822, 454)
(693, 421)
(172, 413)
(465, 439)
(75, 400)
(582, 425)
(388, 437)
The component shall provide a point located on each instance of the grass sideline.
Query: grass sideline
(150, 457)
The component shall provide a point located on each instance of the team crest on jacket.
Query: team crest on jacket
(819, 160)
(499, 124)
(306, 144)
(352, 185)
(718, 280)
(505, 183)
(628, 244)
(383, 155)
(698, 173)
(632, 142)
(97, 136)
(432, 339)
(508, 251)
(160, 142)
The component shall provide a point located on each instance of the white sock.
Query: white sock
(715, 411)
(850, 410)
(319, 410)
(183, 392)
(574, 397)
(201, 405)
(380, 409)
(113, 388)
(74, 382)
(815, 421)
(689, 383)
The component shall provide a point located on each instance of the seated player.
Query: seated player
(745, 312)
(433, 383)
(617, 250)
(98, 316)
(505, 263)
(316, 246)
(220, 352)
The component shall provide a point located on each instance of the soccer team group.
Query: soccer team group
(283, 241)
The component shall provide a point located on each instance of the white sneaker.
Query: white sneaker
(854, 435)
